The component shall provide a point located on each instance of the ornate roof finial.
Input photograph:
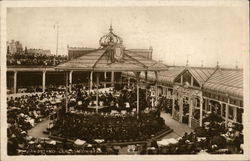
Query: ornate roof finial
(111, 28)
(218, 64)
(236, 66)
(187, 61)
(110, 39)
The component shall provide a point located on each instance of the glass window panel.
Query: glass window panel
(197, 102)
(204, 104)
(219, 109)
(196, 114)
(241, 103)
(231, 113)
(178, 80)
(196, 84)
(224, 110)
(239, 115)
(209, 107)
(187, 77)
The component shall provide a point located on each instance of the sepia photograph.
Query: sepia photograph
(158, 80)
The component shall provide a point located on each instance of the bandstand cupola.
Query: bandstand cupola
(110, 39)
(113, 45)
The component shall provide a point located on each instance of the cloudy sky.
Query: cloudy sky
(203, 34)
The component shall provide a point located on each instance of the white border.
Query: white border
(111, 3)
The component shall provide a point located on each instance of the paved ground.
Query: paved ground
(37, 131)
(179, 128)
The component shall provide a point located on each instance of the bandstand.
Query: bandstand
(110, 57)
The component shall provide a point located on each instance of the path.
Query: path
(178, 128)
(37, 131)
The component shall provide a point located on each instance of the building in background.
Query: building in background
(14, 47)
(39, 51)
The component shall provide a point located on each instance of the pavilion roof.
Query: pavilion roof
(200, 74)
(100, 60)
(221, 80)
(164, 77)
(228, 81)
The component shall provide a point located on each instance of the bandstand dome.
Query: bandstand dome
(110, 39)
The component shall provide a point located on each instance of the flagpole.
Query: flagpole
(57, 26)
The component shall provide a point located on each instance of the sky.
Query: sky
(202, 35)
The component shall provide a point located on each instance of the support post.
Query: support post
(105, 79)
(206, 104)
(156, 87)
(97, 92)
(227, 111)
(190, 112)
(66, 91)
(112, 78)
(120, 80)
(137, 95)
(181, 106)
(235, 114)
(44, 80)
(221, 109)
(201, 110)
(173, 105)
(15, 82)
(91, 80)
(128, 81)
(70, 80)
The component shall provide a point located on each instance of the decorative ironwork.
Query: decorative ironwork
(110, 39)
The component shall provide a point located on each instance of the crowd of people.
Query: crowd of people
(214, 137)
(116, 121)
(165, 104)
(82, 99)
(26, 111)
(34, 59)
(110, 127)
(46, 146)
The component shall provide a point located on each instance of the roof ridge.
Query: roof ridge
(211, 75)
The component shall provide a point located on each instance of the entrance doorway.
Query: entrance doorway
(186, 106)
